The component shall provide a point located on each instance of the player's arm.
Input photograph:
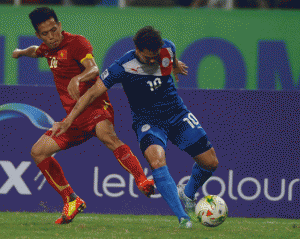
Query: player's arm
(90, 95)
(84, 101)
(107, 79)
(90, 72)
(179, 68)
(30, 52)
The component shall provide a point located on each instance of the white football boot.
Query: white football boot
(189, 204)
(185, 223)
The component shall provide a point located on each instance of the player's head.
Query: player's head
(46, 25)
(148, 42)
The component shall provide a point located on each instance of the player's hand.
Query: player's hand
(16, 53)
(73, 88)
(59, 128)
(181, 68)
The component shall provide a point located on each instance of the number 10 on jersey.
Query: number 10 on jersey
(53, 63)
(192, 121)
(155, 84)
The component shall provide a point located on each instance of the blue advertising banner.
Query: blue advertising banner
(238, 49)
(255, 134)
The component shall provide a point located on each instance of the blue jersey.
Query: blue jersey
(150, 89)
(157, 110)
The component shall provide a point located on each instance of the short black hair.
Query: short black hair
(40, 15)
(148, 38)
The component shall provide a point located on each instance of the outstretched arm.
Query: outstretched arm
(95, 91)
(30, 52)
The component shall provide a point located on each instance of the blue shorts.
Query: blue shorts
(183, 130)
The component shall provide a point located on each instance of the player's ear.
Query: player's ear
(59, 25)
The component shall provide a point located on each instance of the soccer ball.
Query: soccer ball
(211, 211)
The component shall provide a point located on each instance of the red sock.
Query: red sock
(55, 177)
(130, 163)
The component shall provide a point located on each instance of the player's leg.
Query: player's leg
(204, 167)
(41, 153)
(153, 144)
(190, 137)
(106, 133)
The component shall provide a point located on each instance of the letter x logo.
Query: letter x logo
(15, 177)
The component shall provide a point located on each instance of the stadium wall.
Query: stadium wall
(240, 49)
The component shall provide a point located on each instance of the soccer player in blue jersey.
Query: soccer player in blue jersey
(158, 114)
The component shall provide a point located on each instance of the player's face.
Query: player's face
(50, 33)
(149, 57)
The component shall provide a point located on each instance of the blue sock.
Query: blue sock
(198, 178)
(168, 189)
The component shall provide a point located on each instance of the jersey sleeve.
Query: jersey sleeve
(171, 45)
(114, 74)
(40, 51)
(82, 49)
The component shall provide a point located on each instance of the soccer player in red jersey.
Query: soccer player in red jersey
(71, 60)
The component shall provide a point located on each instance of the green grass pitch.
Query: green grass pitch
(41, 225)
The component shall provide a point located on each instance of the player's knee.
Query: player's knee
(34, 151)
(153, 149)
(213, 164)
(155, 155)
(208, 160)
(37, 153)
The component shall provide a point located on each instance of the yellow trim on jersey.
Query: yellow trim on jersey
(88, 56)
(60, 188)
(106, 105)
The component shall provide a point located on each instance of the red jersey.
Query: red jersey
(65, 63)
